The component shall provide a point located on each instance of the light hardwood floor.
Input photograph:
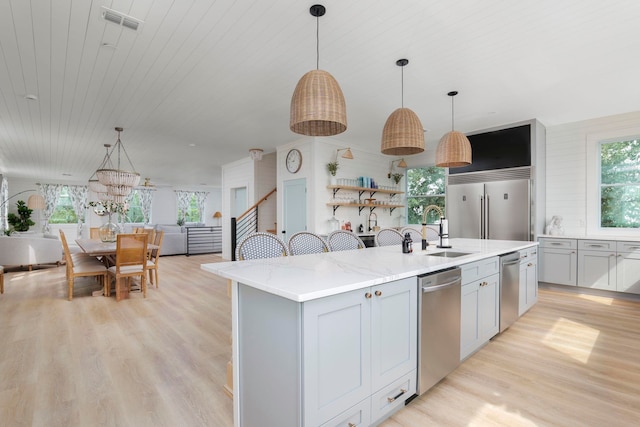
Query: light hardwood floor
(161, 361)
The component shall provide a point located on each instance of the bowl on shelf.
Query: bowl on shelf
(370, 201)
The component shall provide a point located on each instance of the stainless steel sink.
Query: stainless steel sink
(448, 254)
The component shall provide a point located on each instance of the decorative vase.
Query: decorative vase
(333, 180)
(109, 231)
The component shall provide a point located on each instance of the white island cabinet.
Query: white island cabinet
(331, 339)
(528, 295)
(350, 355)
(480, 304)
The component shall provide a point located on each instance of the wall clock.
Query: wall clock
(294, 160)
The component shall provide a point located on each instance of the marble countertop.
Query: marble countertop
(591, 237)
(306, 277)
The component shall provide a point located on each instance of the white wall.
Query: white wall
(234, 175)
(566, 187)
(265, 173)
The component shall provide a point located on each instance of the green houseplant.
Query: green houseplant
(396, 177)
(22, 221)
(332, 167)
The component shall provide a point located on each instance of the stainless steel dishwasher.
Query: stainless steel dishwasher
(439, 326)
(509, 289)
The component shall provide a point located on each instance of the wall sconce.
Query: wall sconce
(346, 155)
(256, 153)
(401, 164)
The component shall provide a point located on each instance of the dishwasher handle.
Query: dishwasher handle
(517, 261)
(427, 289)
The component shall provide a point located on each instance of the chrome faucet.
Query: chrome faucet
(424, 223)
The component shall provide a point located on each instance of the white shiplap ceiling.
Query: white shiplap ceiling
(204, 81)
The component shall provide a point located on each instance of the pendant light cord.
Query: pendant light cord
(317, 42)
(452, 113)
(402, 87)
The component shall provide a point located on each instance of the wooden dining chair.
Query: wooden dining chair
(154, 257)
(78, 265)
(131, 261)
(150, 231)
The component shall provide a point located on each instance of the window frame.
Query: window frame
(75, 221)
(593, 184)
(443, 196)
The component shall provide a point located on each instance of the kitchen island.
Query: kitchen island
(312, 347)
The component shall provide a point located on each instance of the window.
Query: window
(64, 212)
(620, 184)
(425, 186)
(193, 213)
(134, 214)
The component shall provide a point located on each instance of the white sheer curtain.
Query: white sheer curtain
(146, 196)
(50, 193)
(4, 195)
(184, 200)
(184, 197)
(78, 195)
(201, 196)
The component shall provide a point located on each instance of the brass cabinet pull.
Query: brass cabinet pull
(378, 293)
(530, 264)
(367, 295)
(352, 425)
(391, 399)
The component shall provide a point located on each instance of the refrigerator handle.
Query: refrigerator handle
(488, 216)
(481, 217)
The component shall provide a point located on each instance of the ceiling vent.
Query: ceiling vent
(121, 19)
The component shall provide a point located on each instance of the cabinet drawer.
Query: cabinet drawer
(558, 243)
(393, 396)
(597, 245)
(479, 269)
(529, 255)
(628, 247)
(359, 415)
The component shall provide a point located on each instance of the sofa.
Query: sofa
(174, 241)
(29, 251)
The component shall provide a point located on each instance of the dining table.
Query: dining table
(98, 248)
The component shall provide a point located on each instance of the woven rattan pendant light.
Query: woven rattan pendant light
(403, 133)
(317, 104)
(454, 149)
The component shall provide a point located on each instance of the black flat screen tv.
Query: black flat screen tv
(500, 149)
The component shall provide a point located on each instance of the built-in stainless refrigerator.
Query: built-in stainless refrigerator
(490, 210)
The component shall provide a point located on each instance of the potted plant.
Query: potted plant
(396, 177)
(332, 167)
(22, 221)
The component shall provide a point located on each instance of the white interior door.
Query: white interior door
(294, 213)
(238, 201)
